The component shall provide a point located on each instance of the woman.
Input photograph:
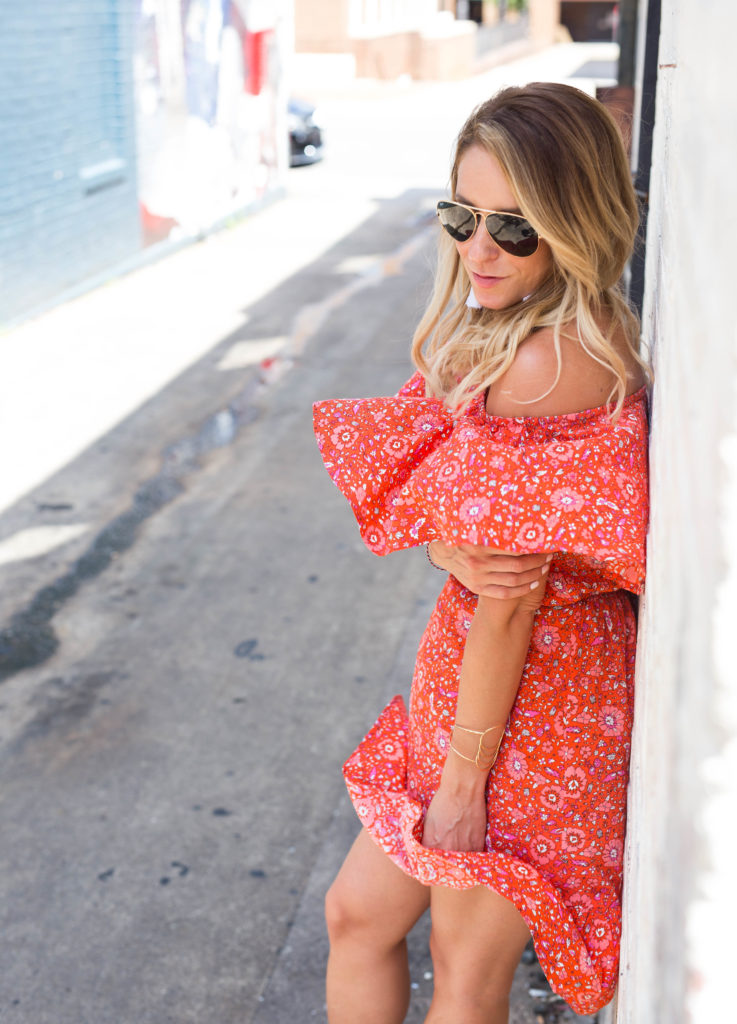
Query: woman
(523, 435)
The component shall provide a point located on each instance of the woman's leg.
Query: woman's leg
(476, 941)
(369, 909)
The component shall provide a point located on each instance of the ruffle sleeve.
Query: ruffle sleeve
(574, 484)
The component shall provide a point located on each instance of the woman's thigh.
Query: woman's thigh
(477, 940)
(373, 896)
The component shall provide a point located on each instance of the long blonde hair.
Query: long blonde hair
(563, 156)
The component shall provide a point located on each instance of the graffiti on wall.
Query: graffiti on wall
(207, 96)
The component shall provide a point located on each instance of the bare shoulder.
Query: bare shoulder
(529, 387)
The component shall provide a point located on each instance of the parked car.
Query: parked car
(306, 141)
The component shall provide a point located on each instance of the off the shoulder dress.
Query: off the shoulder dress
(574, 484)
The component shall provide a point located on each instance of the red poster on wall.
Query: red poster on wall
(255, 53)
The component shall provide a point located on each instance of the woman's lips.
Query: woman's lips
(483, 281)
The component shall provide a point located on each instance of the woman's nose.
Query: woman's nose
(481, 246)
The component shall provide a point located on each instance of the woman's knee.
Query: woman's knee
(344, 915)
(476, 945)
(462, 980)
(372, 899)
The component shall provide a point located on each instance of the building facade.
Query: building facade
(125, 123)
(426, 39)
(680, 883)
(388, 38)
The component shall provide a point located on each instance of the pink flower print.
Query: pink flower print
(467, 432)
(463, 621)
(570, 647)
(442, 740)
(375, 539)
(543, 849)
(553, 797)
(520, 870)
(390, 750)
(449, 471)
(427, 872)
(516, 763)
(344, 437)
(396, 496)
(580, 904)
(613, 851)
(611, 720)
(573, 840)
(600, 935)
(515, 427)
(608, 963)
(627, 486)
(531, 536)
(567, 500)
(396, 447)
(574, 782)
(367, 813)
(566, 752)
(562, 452)
(473, 510)
(584, 962)
(570, 707)
(546, 639)
(426, 423)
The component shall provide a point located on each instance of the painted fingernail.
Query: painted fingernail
(549, 558)
(533, 585)
(545, 568)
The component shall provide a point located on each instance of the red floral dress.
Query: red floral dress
(574, 484)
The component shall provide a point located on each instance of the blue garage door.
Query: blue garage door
(68, 206)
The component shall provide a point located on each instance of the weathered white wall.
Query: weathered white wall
(681, 877)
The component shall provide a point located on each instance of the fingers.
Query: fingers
(509, 585)
(476, 558)
(516, 579)
(505, 593)
(494, 573)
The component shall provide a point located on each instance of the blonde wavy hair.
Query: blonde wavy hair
(565, 161)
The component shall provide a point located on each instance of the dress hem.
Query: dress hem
(399, 835)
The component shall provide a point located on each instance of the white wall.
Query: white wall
(681, 882)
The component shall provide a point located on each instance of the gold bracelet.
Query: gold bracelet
(480, 749)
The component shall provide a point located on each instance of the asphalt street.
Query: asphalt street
(183, 677)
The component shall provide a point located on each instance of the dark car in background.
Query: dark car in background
(306, 141)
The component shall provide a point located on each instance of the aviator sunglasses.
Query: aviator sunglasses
(510, 231)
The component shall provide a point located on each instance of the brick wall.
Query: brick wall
(321, 26)
(681, 888)
(68, 203)
(125, 124)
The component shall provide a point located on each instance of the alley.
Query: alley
(185, 673)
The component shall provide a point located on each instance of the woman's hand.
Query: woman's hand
(456, 817)
(490, 572)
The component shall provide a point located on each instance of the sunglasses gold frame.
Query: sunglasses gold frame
(477, 211)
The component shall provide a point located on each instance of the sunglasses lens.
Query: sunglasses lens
(513, 234)
(459, 222)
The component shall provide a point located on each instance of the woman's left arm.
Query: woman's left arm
(493, 661)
